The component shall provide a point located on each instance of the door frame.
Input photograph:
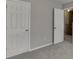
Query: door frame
(30, 27)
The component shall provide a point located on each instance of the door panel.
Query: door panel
(58, 25)
(18, 14)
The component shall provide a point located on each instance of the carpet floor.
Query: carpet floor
(62, 50)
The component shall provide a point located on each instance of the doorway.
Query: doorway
(63, 24)
(18, 27)
(68, 24)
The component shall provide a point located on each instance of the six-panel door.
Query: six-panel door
(18, 17)
(58, 25)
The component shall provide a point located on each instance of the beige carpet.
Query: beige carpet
(62, 50)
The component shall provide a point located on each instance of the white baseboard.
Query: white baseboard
(33, 49)
(41, 47)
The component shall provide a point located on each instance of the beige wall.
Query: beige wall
(41, 22)
(68, 5)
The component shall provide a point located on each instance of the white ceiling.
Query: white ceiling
(64, 1)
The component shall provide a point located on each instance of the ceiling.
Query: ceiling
(64, 1)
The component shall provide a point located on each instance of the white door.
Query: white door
(58, 25)
(18, 27)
